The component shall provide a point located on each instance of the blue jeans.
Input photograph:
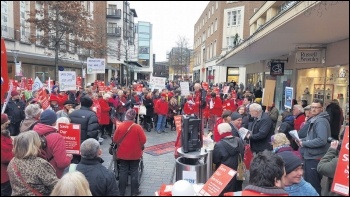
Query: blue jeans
(161, 123)
(127, 166)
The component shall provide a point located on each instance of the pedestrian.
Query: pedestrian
(336, 118)
(29, 174)
(225, 118)
(67, 108)
(15, 111)
(72, 184)
(299, 116)
(32, 112)
(272, 111)
(102, 181)
(105, 118)
(161, 108)
(148, 103)
(131, 139)
(6, 155)
(280, 143)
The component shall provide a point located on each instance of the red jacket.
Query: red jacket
(217, 109)
(161, 107)
(96, 106)
(6, 156)
(104, 118)
(188, 109)
(216, 133)
(197, 98)
(229, 104)
(298, 120)
(56, 148)
(61, 99)
(131, 146)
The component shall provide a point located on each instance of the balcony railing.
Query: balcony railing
(7, 32)
(114, 13)
(114, 31)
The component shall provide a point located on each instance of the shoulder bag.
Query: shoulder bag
(114, 146)
(34, 191)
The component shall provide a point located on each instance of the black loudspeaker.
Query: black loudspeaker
(191, 136)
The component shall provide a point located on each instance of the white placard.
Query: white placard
(84, 73)
(190, 176)
(19, 69)
(157, 83)
(95, 65)
(37, 84)
(185, 88)
(67, 80)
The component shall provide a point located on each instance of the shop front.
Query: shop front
(232, 74)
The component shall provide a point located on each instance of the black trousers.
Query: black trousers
(14, 128)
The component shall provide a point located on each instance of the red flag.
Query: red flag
(4, 72)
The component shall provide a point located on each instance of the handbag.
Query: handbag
(142, 110)
(241, 169)
(114, 146)
(34, 191)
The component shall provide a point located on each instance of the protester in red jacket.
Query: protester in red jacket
(6, 155)
(55, 153)
(299, 116)
(131, 139)
(104, 119)
(215, 106)
(229, 103)
(161, 108)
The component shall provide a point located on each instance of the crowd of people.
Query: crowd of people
(280, 162)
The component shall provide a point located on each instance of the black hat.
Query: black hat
(235, 116)
(48, 117)
(68, 102)
(291, 161)
(86, 101)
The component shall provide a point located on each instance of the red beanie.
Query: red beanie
(4, 118)
(163, 95)
(53, 97)
(14, 93)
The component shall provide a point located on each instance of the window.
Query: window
(209, 14)
(227, 41)
(212, 27)
(4, 18)
(214, 50)
(234, 18)
(212, 9)
(216, 24)
(208, 32)
(23, 29)
(203, 37)
(217, 4)
(228, 18)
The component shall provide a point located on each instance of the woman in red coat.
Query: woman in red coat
(105, 118)
(229, 103)
(188, 106)
(6, 155)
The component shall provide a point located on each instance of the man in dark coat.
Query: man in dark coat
(101, 181)
(335, 118)
(261, 129)
(15, 111)
(89, 127)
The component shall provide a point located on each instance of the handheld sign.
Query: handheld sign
(71, 135)
(218, 181)
(341, 177)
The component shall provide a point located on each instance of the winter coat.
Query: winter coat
(299, 119)
(131, 147)
(251, 190)
(87, 119)
(262, 131)
(315, 145)
(102, 182)
(302, 188)
(216, 133)
(327, 166)
(161, 107)
(171, 109)
(335, 119)
(229, 104)
(105, 118)
(234, 130)
(188, 109)
(55, 152)
(37, 173)
(15, 111)
(217, 109)
(227, 152)
(148, 103)
(28, 124)
(6, 156)
(122, 108)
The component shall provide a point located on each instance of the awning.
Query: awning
(133, 62)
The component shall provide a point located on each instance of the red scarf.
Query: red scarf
(225, 135)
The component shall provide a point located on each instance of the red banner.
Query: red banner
(205, 86)
(4, 71)
(43, 98)
(79, 82)
(23, 84)
(218, 181)
(14, 83)
(341, 177)
(138, 87)
(71, 135)
(178, 122)
(29, 84)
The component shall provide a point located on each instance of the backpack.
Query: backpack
(43, 147)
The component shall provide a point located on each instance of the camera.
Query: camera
(330, 139)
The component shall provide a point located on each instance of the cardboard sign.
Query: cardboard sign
(218, 181)
(269, 92)
(185, 88)
(341, 177)
(67, 80)
(158, 83)
(71, 135)
(205, 86)
(288, 101)
(225, 90)
(43, 98)
(95, 65)
(178, 122)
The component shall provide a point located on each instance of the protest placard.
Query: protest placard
(218, 181)
(225, 90)
(178, 121)
(67, 80)
(341, 177)
(37, 84)
(95, 65)
(157, 83)
(288, 101)
(43, 98)
(71, 135)
(185, 88)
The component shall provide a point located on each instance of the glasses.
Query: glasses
(314, 107)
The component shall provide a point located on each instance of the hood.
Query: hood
(27, 123)
(232, 145)
(295, 187)
(320, 115)
(42, 129)
(289, 119)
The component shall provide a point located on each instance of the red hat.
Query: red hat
(163, 95)
(53, 97)
(14, 93)
(4, 118)
(170, 94)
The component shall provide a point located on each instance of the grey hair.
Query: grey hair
(89, 148)
(32, 110)
(300, 108)
(106, 96)
(255, 107)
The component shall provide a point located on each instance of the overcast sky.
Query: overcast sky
(170, 19)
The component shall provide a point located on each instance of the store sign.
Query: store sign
(308, 57)
(233, 71)
(277, 68)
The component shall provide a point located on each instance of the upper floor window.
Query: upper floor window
(216, 24)
(212, 9)
(234, 18)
